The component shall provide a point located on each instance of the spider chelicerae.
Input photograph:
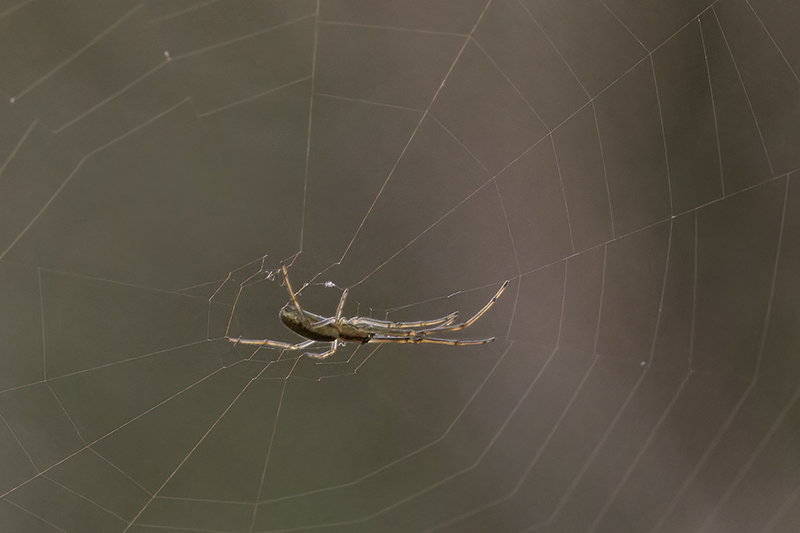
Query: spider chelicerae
(338, 330)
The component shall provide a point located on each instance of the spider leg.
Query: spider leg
(421, 324)
(421, 339)
(387, 326)
(287, 346)
(468, 323)
(325, 355)
(324, 322)
(291, 293)
(330, 320)
(274, 344)
(450, 320)
(340, 307)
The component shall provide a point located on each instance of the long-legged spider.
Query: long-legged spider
(338, 330)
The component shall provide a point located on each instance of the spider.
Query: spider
(338, 330)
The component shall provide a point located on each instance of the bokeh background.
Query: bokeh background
(630, 165)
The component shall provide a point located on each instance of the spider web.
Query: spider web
(631, 168)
